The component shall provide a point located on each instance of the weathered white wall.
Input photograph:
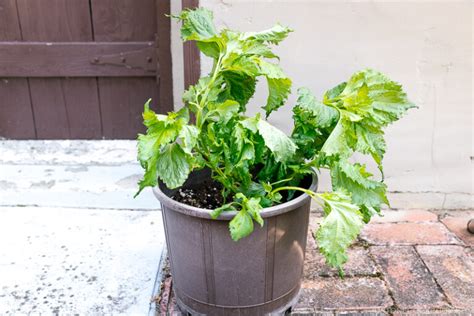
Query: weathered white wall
(425, 45)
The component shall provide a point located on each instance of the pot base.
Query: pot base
(261, 309)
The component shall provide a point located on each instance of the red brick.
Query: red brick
(359, 264)
(453, 268)
(409, 233)
(353, 294)
(309, 311)
(433, 312)
(405, 216)
(412, 285)
(458, 225)
(362, 313)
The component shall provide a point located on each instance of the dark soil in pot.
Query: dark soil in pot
(207, 194)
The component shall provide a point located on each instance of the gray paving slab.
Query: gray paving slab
(86, 186)
(103, 152)
(78, 261)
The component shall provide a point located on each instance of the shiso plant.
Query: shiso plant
(254, 161)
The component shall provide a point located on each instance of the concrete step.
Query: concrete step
(85, 174)
(85, 186)
(78, 261)
(70, 152)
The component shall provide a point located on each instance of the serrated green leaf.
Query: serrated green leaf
(252, 205)
(173, 166)
(210, 49)
(240, 86)
(241, 225)
(161, 130)
(198, 24)
(278, 91)
(367, 102)
(334, 92)
(339, 228)
(224, 208)
(367, 193)
(189, 135)
(225, 111)
(325, 116)
(273, 35)
(241, 64)
(280, 145)
(148, 149)
(279, 86)
(271, 70)
(336, 144)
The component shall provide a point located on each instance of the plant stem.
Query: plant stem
(215, 71)
(312, 194)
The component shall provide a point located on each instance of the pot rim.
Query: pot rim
(266, 212)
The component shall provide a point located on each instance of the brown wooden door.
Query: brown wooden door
(82, 69)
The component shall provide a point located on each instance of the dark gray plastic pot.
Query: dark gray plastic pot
(214, 275)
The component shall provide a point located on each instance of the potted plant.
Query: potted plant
(235, 190)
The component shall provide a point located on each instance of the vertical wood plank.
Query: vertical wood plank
(124, 20)
(16, 116)
(51, 115)
(122, 99)
(9, 24)
(82, 103)
(55, 20)
(165, 72)
(191, 56)
(58, 115)
(122, 102)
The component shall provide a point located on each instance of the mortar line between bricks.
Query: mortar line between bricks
(454, 234)
(394, 307)
(434, 279)
(417, 244)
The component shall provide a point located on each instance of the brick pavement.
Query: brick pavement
(412, 262)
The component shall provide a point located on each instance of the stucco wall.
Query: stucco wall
(425, 45)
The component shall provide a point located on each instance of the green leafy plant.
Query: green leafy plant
(254, 161)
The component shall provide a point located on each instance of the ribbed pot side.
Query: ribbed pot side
(214, 275)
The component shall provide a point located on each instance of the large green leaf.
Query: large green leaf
(339, 228)
(280, 145)
(148, 149)
(251, 206)
(173, 166)
(279, 86)
(336, 144)
(224, 111)
(198, 24)
(241, 225)
(241, 87)
(189, 135)
(161, 130)
(325, 115)
(273, 35)
(367, 193)
(368, 102)
(313, 123)
(278, 91)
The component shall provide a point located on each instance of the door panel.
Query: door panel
(54, 87)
